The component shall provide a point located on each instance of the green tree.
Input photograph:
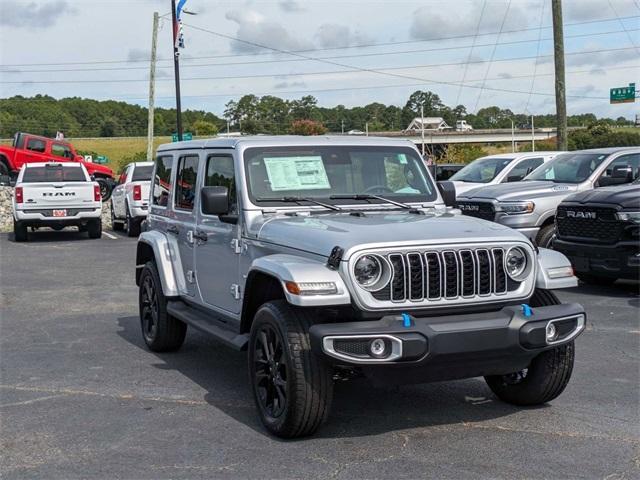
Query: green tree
(202, 128)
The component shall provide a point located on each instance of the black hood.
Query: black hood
(626, 196)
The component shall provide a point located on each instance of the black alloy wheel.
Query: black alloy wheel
(149, 309)
(270, 371)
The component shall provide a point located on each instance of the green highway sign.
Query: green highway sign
(101, 159)
(185, 137)
(623, 94)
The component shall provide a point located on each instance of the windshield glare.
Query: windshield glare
(482, 170)
(397, 173)
(568, 168)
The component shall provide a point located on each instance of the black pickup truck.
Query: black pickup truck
(599, 231)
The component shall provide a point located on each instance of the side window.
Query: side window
(630, 161)
(220, 173)
(186, 182)
(60, 150)
(524, 168)
(162, 181)
(36, 145)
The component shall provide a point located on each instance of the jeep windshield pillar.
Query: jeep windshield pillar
(329, 258)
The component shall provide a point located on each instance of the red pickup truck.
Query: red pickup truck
(27, 148)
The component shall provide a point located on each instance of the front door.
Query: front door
(218, 258)
(183, 226)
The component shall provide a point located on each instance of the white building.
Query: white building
(429, 123)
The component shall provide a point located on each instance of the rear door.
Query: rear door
(184, 202)
(119, 192)
(34, 150)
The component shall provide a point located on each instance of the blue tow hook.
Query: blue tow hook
(406, 320)
(526, 310)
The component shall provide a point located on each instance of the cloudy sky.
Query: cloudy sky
(474, 52)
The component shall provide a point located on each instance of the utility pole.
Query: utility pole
(422, 127)
(533, 136)
(513, 140)
(342, 124)
(152, 86)
(558, 54)
(366, 128)
(176, 69)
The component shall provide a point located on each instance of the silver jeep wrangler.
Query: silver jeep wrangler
(328, 258)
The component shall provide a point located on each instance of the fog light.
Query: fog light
(552, 333)
(378, 348)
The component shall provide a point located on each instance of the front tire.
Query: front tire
(20, 233)
(161, 331)
(292, 387)
(546, 377)
(94, 228)
(545, 236)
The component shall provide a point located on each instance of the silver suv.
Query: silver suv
(328, 258)
(530, 205)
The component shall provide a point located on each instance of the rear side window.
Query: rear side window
(524, 168)
(141, 174)
(186, 182)
(53, 173)
(162, 181)
(36, 145)
(60, 150)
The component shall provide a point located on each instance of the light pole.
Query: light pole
(513, 137)
(176, 69)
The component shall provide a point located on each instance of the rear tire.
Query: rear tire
(132, 225)
(545, 236)
(161, 331)
(20, 233)
(115, 225)
(94, 228)
(547, 375)
(292, 387)
(596, 280)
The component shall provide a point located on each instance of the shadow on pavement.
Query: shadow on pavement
(620, 289)
(358, 408)
(47, 236)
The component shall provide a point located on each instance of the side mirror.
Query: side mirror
(214, 200)
(514, 178)
(92, 177)
(622, 172)
(448, 191)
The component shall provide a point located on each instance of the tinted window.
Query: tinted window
(53, 173)
(220, 173)
(162, 181)
(569, 168)
(60, 150)
(186, 182)
(36, 145)
(321, 172)
(524, 168)
(482, 170)
(141, 174)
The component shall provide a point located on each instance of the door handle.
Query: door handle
(173, 229)
(200, 236)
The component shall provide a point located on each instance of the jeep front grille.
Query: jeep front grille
(445, 275)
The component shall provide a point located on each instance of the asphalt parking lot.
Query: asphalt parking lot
(81, 396)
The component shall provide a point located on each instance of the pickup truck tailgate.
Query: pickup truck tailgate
(54, 195)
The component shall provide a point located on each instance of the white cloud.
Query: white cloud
(586, 10)
(291, 6)
(332, 35)
(32, 14)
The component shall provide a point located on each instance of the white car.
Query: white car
(56, 195)
(130, 198)
(463, 126)
(501, 168)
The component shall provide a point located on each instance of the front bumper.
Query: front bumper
(621, 260)
(448, 347)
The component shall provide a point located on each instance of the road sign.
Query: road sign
(186, 136)
(101, 159)
(623, 94)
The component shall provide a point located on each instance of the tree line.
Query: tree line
(251, 114)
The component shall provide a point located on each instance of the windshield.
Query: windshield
(482, 170)
(53, 173)
(396, 173)
(142, 173)
(568, 168)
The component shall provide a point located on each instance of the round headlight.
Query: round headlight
(367, 270)
(515, 262)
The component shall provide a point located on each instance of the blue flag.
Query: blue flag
(179, 8)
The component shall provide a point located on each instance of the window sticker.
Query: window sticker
(402, 158)
(296, 173)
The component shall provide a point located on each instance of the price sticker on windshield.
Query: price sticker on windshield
(296, 173)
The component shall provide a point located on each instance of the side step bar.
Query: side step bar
(208, 324)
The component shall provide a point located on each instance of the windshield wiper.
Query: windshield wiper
(368, 196)
(298, 200)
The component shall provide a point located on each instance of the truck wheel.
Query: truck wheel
(547, 375)
(596, 280)
(94, 228)
(161, 331)
(20, 233)
(545, 236)
(292, 387)
(115, 225)
(132, 225)
(105, 189)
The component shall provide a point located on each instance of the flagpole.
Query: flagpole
(176, 68)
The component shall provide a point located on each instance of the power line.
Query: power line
(535, 66)
(466, 65)
(362, 55)
(235, 55)
(622, 25)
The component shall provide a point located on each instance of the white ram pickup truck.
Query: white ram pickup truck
(56, 195)
(130, 198)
